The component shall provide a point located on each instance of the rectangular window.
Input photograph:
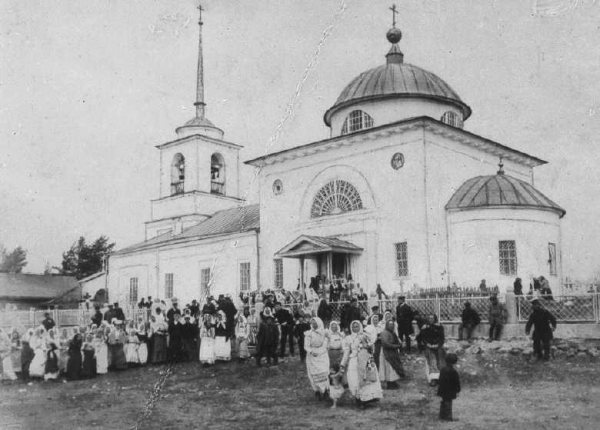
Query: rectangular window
(245, 276)
(133, 290)
(205, 282)
(168, 285)
(278, 272)
(402, 259)
(508, 257)
(552, 258)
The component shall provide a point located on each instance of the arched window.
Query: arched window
(356, 120)
(217, 174)
(453, 119)
(335, 198)
(177, 174)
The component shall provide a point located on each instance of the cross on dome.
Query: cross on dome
(394, 13)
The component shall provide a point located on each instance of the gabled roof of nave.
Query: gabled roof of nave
(228, 221)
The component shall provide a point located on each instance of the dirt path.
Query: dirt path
(500, 391)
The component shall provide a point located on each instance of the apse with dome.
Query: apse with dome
(401, 194)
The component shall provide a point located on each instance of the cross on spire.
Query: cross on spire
(201, 9)
(394, 13)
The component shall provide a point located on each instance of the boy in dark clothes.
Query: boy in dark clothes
(449, 387)
(543, 323)
(301, 326)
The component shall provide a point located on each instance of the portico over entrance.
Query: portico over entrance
(321, 256)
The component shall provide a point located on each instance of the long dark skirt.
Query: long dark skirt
(89, 364)
(26, 357)
(118, 359)
(159, 348)
(74, 365)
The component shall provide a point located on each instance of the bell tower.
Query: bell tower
(199, 170)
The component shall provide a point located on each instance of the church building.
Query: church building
(375, 201)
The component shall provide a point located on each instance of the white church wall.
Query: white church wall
(185, 261)
(393, 110)
(474, 240)
(448, 165)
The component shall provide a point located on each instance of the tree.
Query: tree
(83, 260)
(13, 262)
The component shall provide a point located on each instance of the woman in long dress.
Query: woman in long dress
(75, 359)
(132, 345)
(242, 332)
(6, 357)
(63, 350)
(334, 343)
(358, 363)
(390, 363)
(317, 358)
(38, 344)
(253, 323)
(51, 367)
(432, 336)
(207, 340)
(116, 343)
(101, 349)
(159, 340)
(88, 369)
(222, 338)
(142, 334)
(27, 354)
(374, 330)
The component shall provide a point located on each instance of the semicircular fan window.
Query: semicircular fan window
(334, 198)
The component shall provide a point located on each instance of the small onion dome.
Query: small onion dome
(395, 80)
(200, 125)
(500, 191)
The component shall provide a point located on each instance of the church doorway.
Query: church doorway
(339, 265)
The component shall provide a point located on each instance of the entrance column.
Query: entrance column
(302, 278)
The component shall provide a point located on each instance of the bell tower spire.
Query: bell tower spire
(200, 78)
(200, 124)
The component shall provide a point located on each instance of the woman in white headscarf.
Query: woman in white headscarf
(334, 343)
(374, 330)
(207, 340)
(5, 357)
(37, 367)
(360, 368)
(317, 358)
(222, 338)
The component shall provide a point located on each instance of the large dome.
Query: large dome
(396, 80)
(500, 190)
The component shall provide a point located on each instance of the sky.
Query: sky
(87, 89)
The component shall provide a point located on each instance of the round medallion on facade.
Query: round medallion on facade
(277, 187)
(397, 160)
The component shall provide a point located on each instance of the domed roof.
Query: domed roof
(496, 191)
(397, 80)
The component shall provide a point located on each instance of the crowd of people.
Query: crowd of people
(362, 351)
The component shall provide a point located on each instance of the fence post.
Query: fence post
(439, 307)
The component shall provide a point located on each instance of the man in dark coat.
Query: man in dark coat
(324, 310)
(470, 320)
(544, 323)
(267, 340)
(118, 313)
(354, 313)
(109, 314)
(97, 318)
(286, 323)
(227, 306)
(404, 317)
(48, 322)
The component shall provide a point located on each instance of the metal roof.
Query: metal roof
(500, 190)
(229, 221)
(393, 80)
(24, 285)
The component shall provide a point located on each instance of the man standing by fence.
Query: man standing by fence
(497, 318)
(544, 323)
(404, 318)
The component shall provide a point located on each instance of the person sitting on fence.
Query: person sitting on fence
(470, 319)
(97, 318)
(379, 291)
(518, 287)
(48, 322)
(497, 318)
(543, 323)
(361, 296)
(483, 287)
(545, 290)
(404, 317)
